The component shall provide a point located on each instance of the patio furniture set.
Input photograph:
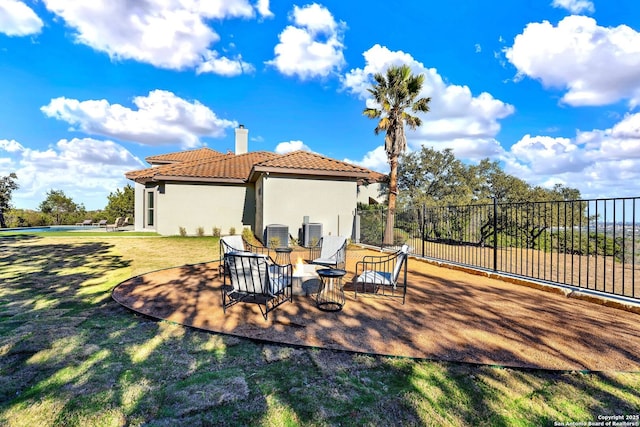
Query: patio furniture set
(251, 275)
(103, 223)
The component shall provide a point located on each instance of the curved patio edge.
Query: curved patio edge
(450, 315)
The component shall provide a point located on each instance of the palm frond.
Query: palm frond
(396, 91)
(383, 125)
(421, 105)
(412, 121)
(372, 113)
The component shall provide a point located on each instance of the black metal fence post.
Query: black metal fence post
(422, 228)
(382, 225)
(495, 234)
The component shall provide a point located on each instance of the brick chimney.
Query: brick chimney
(242, 140)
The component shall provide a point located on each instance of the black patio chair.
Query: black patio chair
(331, 251)
(237, 243)
(254, 278)
(384, 275)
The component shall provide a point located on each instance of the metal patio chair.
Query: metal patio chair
(384, 275)
(331, 251)
(254, 278)
(237, 243)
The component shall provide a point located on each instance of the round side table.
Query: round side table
(330, 296)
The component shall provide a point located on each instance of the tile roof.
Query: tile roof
(223, 168)
(246, 167)
(376, 177)
(183, 156)
(229, 167)
(306, 163)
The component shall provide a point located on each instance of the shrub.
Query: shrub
(232, 231)
(200, 231)
(25, 218)
(400, 236)
(183, 231)
(274, 242)
(371, 227)
(247, 234)
(216, 231)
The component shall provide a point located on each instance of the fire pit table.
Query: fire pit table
(305, 279)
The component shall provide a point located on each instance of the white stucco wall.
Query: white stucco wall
(138, 200)
(372, 191)
(286, 200)
(199, 205)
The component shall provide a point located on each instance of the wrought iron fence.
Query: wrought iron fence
(590, 244)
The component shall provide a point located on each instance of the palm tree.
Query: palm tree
(394, 93)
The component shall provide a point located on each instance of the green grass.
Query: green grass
(105, 234)
(71, 356)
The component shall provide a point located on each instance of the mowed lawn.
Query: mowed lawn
(71, 356)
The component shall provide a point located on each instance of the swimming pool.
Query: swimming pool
(47, 229)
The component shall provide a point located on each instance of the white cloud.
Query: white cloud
(575, 6)
(263, 8)
(10, 146)
(290, 146)
(87, 170)
(312, 46)
(18, 19)
(224, 66)
(546, 155)
(594, 64)
(375, 159)
(600, 163)
(468, 124)
(161, 118)
(170, 34)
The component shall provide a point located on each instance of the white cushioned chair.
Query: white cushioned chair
(253, 278)
(384, 275)
(331, 251)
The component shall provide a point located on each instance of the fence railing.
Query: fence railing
(590, 244)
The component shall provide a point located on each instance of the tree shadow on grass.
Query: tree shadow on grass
(11, 238)
(457, 394)
(61, 271)
(47, 291)
(95, 356)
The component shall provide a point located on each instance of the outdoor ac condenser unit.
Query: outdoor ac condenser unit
(276, 230)
(311, 232)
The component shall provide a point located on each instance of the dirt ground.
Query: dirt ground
(449, 315)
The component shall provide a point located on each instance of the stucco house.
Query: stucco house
(206, 188)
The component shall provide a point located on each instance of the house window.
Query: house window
(150, 211)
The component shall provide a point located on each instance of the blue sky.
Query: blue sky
(549, 88)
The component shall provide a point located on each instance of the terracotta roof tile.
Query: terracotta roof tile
(240, 168)
(221, 168)
(136, 174)
(376, 177)
(311, 163)
(230, 166)
(184, 156)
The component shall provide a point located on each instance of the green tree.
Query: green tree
(536, 210)
(121, 203)
(60, 206)
(7, 185)
(433, 177)
(489, 181)
(394, 94)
